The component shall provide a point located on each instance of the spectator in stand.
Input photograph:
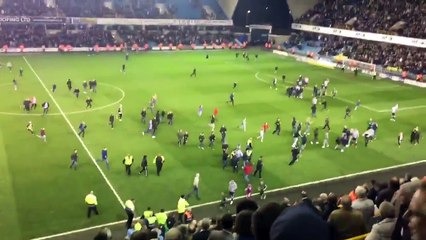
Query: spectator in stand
(374, 190)
(417, 212)
(346, 222)
(383, 230)
(246, 204)
(381, 16)
(299, 222)
(263, 218)
(387, 193)
(363, 204)
(204, 232)
(401, 201)
(103, 234)
(173, 234)
(243, 225)
(226, 232)
(330, 206)
(285, 203)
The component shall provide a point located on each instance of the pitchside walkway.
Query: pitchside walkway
(340, 186)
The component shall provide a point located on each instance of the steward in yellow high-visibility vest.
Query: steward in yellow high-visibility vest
(151, 221)
(161, 217)
(181, 207)
(92, 204)
(148, 213)
(128, 161)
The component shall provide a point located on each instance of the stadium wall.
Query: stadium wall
(298, 8)
(278, 39)
(228, 7)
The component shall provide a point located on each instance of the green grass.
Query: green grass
(40, 195)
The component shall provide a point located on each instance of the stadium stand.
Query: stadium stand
(83, 36)
(326, 216)
(157, 9)
(405, 18)
(387, 55)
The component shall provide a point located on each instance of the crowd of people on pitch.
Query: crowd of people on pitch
(405, 18)
(382, 210)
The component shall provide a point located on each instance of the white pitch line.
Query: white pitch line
(76, 134)
(255, 194)
(404, 108)
(338, 98)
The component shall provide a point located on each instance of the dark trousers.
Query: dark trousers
(144, 170)
(90, 209)
(128, 169)
(130, 216)
(293, 160)
(260, 172)
(159, 169)
(326, 126)
(81, 133)
(180, 217)
(277, 130)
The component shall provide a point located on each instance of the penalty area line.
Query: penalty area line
(75, 132)
(404, 108)
(327, 180)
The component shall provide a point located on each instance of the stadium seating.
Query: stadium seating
(405, 18)
(272, 220)
(166, 9)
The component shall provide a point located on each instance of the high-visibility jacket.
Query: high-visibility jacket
(182, 204)
(151, 220)
(148, 213)
(91, 199)
(128, 160)
(161, 218)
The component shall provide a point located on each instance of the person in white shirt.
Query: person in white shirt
(232, 187)
(314, 101)
(368, 136)
(45, 106)
(9, 66)
(326, 138)
(195, 188)
(353, 138)
(244, 124)
(400, 137)
(261, 134)
(393, 112)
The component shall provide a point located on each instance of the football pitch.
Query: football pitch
(41, 195)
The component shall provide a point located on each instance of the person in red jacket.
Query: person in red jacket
(248, 170)
(265, 127)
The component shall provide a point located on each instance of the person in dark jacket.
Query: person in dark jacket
(259, 167)
(387, 193)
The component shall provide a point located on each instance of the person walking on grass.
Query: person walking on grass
(129, 207)
(92, 204)
(74, 159)
(195, 187)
